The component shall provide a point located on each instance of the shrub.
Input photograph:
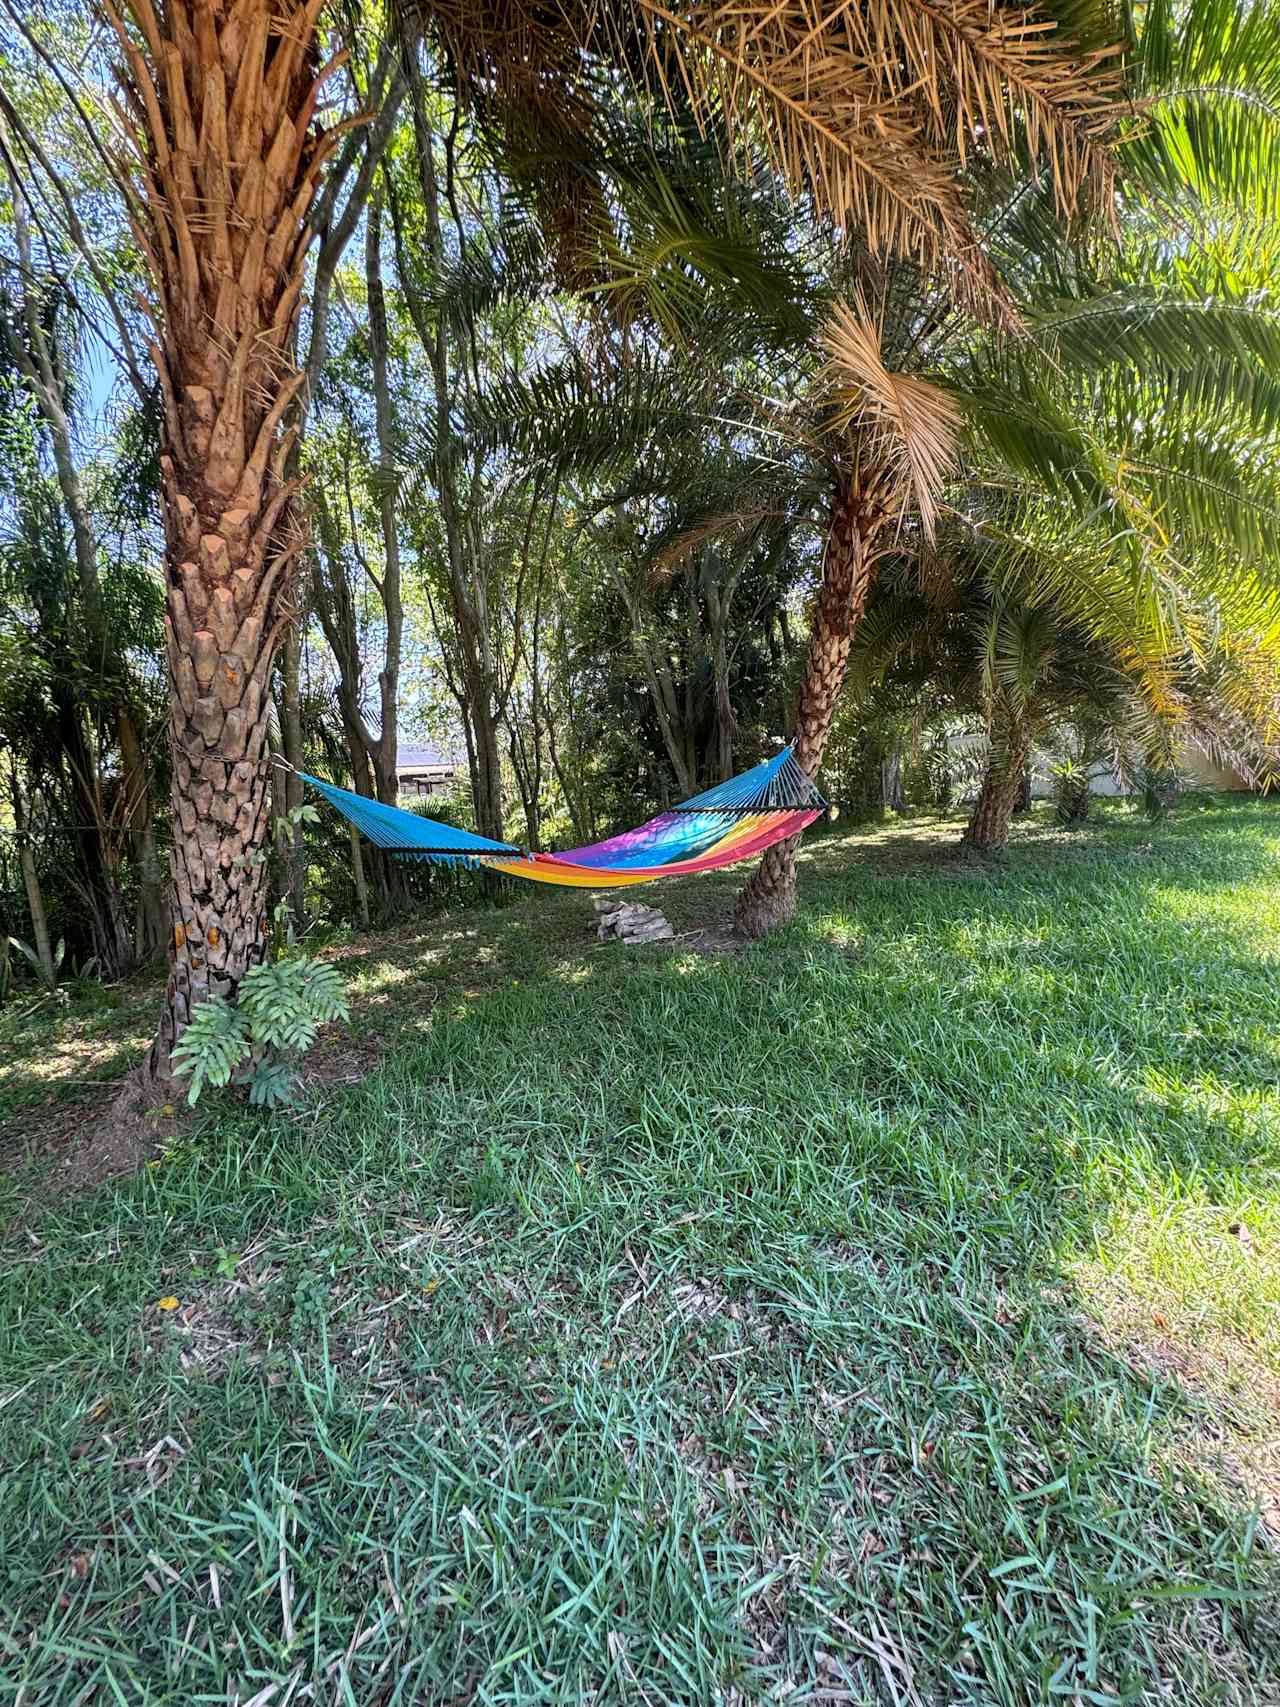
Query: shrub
(256, 1044)
(1070, 790)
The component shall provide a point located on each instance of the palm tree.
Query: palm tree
(1030, 672)
(221, 102)
(983, 635)
(1129, 438)
(889, 439)
(1178, 344)
(1124, 442)
(1040, 679)
(873, 113)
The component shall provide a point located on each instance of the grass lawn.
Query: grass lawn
(885, 1315)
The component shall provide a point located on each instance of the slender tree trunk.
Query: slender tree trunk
(31, 883)
(848, 569)
(726, 722)
(153, 927)
(334, 603)
(291, 740)
(96, 862)
(577, 802)
(36, 353)
(988, 829)
(358, 878)
(487, 780)
(223, 95)
(384, 752)
(891, 795)
(153, 919)
(526, 783)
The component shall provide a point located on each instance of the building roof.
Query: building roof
(419, 758)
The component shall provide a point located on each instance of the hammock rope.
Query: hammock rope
(732, 821)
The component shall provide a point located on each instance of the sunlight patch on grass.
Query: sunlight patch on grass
(572, 972)
(685, 965)
(840, 929)
(386, 975)
(1213, 1267)
(1188, 1289)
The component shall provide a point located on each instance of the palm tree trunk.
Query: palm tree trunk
(1074, 797)
(769, 898)
(223, 95)
(987, 831)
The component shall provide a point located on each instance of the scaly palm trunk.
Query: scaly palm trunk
(1074, 800)
(987, 831)
(223, 95)
(848, 570)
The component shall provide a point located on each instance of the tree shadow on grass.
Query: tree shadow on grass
(998, 1099)
(656, 1322)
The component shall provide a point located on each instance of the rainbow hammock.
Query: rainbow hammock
(731, 821)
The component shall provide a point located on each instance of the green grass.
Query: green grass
(886, 1315)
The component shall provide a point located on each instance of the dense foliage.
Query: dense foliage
(587, 410)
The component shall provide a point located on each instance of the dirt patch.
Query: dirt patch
(113, 1128)
(715, 941)
(339, 1059)
(83, 1147)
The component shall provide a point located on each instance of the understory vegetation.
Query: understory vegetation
(885, 1315)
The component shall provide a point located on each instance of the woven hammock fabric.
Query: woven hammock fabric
(732, 821)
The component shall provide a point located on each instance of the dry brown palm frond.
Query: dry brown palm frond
(871, 109)
(970, 66)
(904, 425)
(731, 525)
(874, 108)
(829, 125)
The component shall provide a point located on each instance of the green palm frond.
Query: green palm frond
(507, 264)
(568, 416)
(1206, 80)
(1150, 326)
(691, 247)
